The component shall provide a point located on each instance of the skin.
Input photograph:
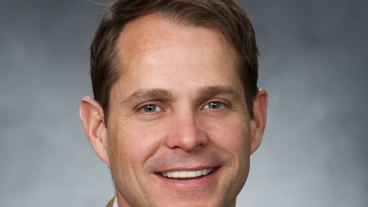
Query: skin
(198, 117)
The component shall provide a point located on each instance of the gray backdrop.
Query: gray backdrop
(313, 61)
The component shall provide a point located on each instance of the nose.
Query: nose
(186, 133)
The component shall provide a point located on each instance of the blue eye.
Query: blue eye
(214, 105)
(150, 108)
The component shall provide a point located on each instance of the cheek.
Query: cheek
(233, 138)
(134, 142)
(230, 134)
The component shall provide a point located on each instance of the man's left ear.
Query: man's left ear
(258, 123)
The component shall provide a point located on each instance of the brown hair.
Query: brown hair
(222, 15)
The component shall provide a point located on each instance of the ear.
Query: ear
(92, 118)
(258, 124)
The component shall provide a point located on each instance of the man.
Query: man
(176, 112)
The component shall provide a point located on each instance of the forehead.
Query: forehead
(152, 50)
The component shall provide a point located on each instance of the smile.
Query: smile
(187, 174)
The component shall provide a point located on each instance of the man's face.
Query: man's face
(178, 110)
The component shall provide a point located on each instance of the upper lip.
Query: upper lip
(186, 168)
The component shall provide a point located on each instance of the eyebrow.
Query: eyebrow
(219, 90)
(148, 94)
(205, 92)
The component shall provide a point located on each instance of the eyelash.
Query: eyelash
(141, 109)
(160, 108)
(221, 105)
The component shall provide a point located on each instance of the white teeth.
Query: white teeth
(192, 174)
(183, 174)
(186, 174)
(175, 174)
(168, 174)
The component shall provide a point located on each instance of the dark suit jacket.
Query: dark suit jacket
(111, 202)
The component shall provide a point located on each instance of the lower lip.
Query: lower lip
(190, 183)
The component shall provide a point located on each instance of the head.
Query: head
(176, 112)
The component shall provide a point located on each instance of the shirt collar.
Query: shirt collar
(115, 203)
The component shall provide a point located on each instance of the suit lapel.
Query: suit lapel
(111, 202)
